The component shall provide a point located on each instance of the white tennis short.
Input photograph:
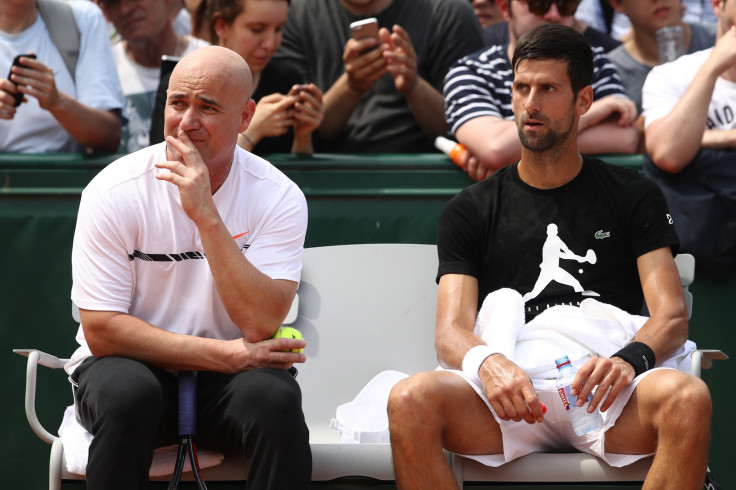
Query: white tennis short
(555, 434)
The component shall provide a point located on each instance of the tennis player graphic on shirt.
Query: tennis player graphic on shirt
(553, 250)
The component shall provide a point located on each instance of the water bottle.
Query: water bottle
(582, 421)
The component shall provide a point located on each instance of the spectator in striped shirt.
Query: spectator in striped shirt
(477, 92)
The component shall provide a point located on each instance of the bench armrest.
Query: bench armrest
(703, 359)
(36, 357)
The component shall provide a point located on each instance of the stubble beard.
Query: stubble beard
(546, 141)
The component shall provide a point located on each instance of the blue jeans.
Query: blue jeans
(131, 408)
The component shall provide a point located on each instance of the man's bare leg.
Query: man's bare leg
(669, 413)
(432, 410)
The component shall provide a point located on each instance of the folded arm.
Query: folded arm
(110, 333)
(609, 126)
(491, 153)
(673, 140)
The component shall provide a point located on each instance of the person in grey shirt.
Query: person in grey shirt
(639, 53)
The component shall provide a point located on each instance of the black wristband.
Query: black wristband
(639, 355)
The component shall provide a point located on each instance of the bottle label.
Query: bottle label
(567, 397)
(563, 396)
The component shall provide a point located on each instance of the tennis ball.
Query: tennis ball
(289, 333)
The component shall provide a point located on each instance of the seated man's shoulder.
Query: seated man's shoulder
(613, 174)
(489, 57)
(124, 174)
(262, 171)
(702, 36)
(601, 39)
(682, 68)
(495, 34)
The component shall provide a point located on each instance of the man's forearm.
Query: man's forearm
(667, 327)
(674, 140)
(95, 128)
(504, 148)
(339, 103)
(719, 139)
(111, 333)
(254, 301)
(608, 137)
(427, 105)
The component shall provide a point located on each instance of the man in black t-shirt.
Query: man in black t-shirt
(553, 229)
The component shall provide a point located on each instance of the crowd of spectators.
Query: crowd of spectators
(317, 88)
(437, 68)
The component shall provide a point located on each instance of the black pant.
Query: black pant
(131, 408)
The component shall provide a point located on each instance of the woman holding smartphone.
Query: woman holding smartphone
(288, 111)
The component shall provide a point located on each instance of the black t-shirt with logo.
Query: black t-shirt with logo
(557, 246)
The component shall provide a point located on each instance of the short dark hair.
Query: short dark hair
(554, 41)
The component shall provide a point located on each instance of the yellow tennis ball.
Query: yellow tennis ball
(289, 333)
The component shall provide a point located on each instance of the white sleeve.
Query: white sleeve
(102, 272)
(278, 243)
(666, 84)
(659, 94)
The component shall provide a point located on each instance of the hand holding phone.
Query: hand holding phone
(366, 28)
(16, 62)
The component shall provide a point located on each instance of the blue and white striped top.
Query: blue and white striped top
(480, 85)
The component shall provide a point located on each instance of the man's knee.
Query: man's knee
(678, 397)
(414, 399)
(268, 398)
(119, 387)
(693, 395)
(120, 398)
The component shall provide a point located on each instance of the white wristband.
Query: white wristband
(473, 360)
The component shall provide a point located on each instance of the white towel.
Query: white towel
(365, 420)
(76, 441)
(593, 329)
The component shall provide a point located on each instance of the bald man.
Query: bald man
(187, 256)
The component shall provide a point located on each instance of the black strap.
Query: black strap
(607, 15)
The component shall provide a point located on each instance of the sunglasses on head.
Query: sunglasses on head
(540, 7)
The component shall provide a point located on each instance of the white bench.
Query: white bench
(364, 309)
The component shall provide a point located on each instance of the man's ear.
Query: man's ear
(504, 6)
(616, 4)
(247, 115)
(717, 7)
(218, 25)
(584, 100)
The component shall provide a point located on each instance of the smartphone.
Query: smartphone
(365, 28)
(16, 62)
(168, 63)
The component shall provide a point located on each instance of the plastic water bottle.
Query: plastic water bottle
(582, 421)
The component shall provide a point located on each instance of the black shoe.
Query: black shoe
(710, 483)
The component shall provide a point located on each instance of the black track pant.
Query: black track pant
(131, 408)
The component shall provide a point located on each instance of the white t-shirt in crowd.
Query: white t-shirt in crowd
(35, 130)
(666, 84)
